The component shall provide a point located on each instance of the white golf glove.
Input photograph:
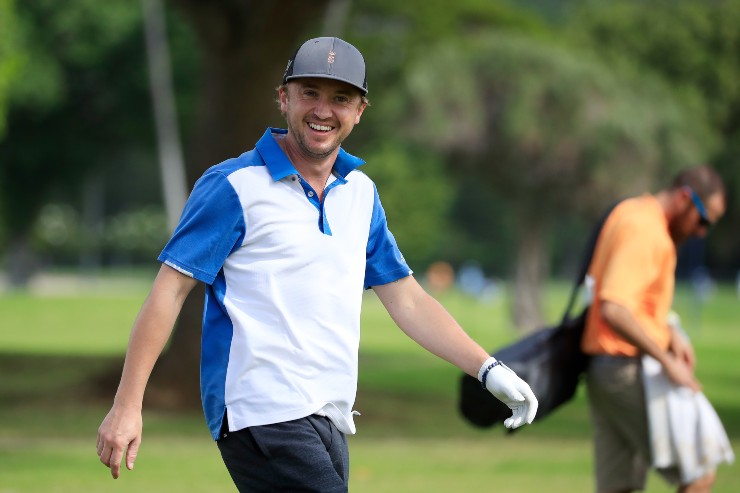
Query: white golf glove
(507, 387)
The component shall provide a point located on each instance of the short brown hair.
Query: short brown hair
(704, 180)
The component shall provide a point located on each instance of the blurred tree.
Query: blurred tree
(74, 106)
(240, 70)
(416, 196)
(11, 57)
(244, 47)
(391, 35)
(695, 46)
(551, 131)
(171, 161)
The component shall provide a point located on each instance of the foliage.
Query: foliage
(131, 237)
(11, 57)
(11, 60)
(534, 120)
(391, 36)
(58, 232)
(80, 108)
(414, 201)
(76, 103)
(551, 132)
(138, 234)
(695, 47)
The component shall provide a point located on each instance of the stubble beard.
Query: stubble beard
(678, 236)
(307, 151)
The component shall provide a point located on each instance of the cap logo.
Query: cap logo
(331, 57)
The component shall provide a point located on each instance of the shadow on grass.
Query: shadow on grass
(40, 378)
(398, 395)
(45, 396)
(419, 396)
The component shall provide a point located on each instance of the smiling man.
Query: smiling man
(286, 237)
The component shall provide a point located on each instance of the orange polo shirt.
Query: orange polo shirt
(633, 265)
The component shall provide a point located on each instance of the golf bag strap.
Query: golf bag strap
(588, 255)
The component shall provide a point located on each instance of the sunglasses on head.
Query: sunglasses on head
(703, 217)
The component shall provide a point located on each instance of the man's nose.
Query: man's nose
(322, 108)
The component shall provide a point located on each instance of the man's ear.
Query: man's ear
(360, 110)
(684, 194)
(283, 98)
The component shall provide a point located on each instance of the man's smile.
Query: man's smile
(320, 128)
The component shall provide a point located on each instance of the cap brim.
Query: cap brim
(326, 76)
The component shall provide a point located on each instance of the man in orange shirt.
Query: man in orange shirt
(633, 271)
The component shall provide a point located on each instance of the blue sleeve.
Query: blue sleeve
(211, 227)
(384, 261)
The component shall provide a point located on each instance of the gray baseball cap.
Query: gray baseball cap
(328, 58)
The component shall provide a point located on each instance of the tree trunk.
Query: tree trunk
(171, 162)
(529, 274)
(245, 48)
(21, 262)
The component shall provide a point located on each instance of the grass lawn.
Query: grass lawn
(410, 436)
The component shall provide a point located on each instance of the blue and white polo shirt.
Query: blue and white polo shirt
(285, 275)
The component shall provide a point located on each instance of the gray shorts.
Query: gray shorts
(621, 437)
(306, 455)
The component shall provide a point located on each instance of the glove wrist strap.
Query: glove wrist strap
(488, 365)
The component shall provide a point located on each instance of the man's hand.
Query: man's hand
(682, 349)
(119, 434)
(680, 372)
(680, 343)
(507, 387)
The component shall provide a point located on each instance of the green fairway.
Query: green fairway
(410, 438)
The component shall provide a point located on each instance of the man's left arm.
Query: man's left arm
(427, 322)
(680, 343)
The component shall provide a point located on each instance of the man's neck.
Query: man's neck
(667, 203)
(315, 171)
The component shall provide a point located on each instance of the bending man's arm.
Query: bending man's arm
(425, 321)
(120, 431)
(624, 323)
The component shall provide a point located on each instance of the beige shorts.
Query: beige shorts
(621, 438)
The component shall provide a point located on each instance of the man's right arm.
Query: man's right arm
(624, 323)
(120, 431)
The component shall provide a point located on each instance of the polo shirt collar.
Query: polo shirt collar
(280, 166)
